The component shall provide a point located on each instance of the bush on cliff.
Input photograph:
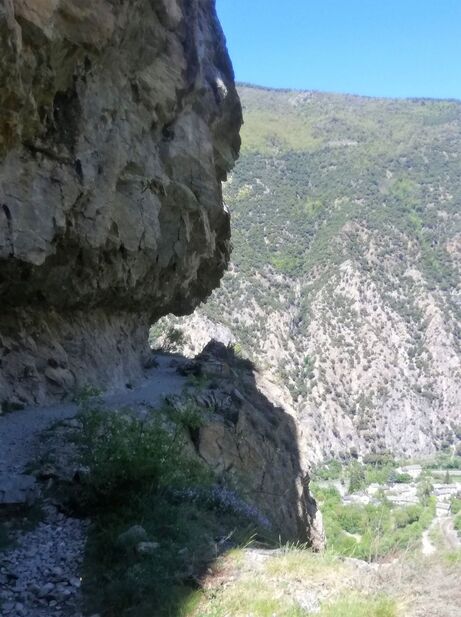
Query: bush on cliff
(143, 476)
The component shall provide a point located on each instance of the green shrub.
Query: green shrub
(167, 336)
(384, 458)
(126, 455)
(380, 474)
(329, 497)
(141, 473)
(85, 394)
(424, 490)
(457, 523)
(351, 519)
(400, 478)
(357, 479)
(407, 516)
(444, 461)
(329, 471)
(456, 505)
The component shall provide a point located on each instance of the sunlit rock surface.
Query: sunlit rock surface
(118, 123)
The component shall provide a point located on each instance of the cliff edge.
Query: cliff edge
(118, 123)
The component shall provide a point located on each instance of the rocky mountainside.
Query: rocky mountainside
(344, 284)
(250, 438)
(222, 419)
(118, 124)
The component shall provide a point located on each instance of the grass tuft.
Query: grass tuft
(355, 605)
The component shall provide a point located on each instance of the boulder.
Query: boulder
(17, 491)
(132, 537)
(254, 443)
(147, 548)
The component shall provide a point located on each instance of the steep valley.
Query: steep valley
(344, 282)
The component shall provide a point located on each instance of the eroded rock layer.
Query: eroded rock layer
(119, 120)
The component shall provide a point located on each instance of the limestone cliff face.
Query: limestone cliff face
(118, 122)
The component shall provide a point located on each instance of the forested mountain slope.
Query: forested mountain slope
(347, 253)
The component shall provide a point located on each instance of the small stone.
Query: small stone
(34, 588)
(47, 472)
(150, 362)
(132, 537)
(61, 377)
(20, 610)
(61, 595)
(57, 572)
(147, 548)
(75, 582)
(74, 423)
(46, 590)
(81, 475)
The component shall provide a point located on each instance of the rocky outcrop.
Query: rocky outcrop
(254, 442)
(118, 123)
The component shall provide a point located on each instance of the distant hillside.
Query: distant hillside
(345, 283)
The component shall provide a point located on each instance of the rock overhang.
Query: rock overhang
(119, 125)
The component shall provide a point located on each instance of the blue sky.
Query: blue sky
(374, 47)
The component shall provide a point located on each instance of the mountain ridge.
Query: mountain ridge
(344, 282)
(245, 84)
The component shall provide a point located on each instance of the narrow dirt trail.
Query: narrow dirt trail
(20, 429)
(449, 535)
(427, 546)
(40, 575)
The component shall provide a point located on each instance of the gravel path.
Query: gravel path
(20, 429)
(40, 575)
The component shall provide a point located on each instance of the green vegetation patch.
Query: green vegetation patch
(286, 583)
(457, 523)
(377, 469)
(355, 605)
(303, 564)
(456, 511)
(252, 596)
(371, 532)
(456, 505)
(443, 461)
(159, 516)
